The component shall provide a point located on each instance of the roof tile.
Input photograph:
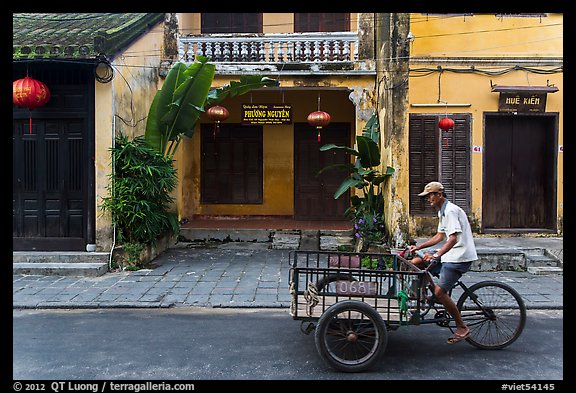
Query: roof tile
(76, 35)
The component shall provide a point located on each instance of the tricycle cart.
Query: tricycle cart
(351, 301)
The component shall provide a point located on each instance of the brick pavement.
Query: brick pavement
(230, 275)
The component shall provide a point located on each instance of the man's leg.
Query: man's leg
(418, 262)
(449, 274)
(450, 306)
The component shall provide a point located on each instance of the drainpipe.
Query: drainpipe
(113, 171)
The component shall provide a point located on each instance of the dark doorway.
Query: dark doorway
(53, 166)
(314, 195)
(231, 164)
(519, 191)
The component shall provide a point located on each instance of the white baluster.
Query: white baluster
(307, 51)
(326, 51)
(243, 51)
(316, 50)
(290, 51)
(280, 51)
(234, 51)
(253, 51)
(209, 49)
(198, 50)
(346, 51)
(217, 52)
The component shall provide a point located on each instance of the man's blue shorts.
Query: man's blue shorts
(449, 272)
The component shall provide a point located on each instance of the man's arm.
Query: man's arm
(452, 239)
(437, 238)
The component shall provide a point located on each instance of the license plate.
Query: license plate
(358, 288)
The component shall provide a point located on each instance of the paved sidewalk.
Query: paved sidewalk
(229, 275)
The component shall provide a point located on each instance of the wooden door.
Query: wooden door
(49, 185)
(314, 195)
(519, 173)
(53, 197)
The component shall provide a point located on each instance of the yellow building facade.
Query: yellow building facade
(459, 66)
(344, 89)
(501, 78)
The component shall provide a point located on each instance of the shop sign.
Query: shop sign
(266, 114)
(522, 102)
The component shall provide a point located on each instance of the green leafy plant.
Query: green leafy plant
(385, 262)
(140, 194)
(365, 211)
(186, 93)
(369, 263)
(132, 255)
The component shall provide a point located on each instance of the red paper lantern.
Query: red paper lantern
(319, 119)
(217, 114)
(446, 124)
(30, 93)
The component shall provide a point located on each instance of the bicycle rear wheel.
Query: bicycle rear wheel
(495, 314)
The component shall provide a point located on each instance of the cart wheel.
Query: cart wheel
(351, 336)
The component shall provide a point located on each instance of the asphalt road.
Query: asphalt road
(256, 344)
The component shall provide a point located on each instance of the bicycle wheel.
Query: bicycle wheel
(495, 314)
(351, 336)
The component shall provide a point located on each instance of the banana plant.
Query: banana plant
(186, 92)
(363, 173)
(367, 211)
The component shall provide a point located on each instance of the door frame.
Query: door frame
(298, 126)
(554, 189)
(59, 88)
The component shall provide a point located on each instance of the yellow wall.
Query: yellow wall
(486, 35)
(122, 106)
(278, 152)
(487, 43)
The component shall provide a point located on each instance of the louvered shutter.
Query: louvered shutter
(437, 155)
(455, 161)
(423, 160)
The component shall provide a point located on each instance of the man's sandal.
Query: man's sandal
(456, 338)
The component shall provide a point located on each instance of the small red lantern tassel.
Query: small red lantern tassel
(30, 121)
(318, 135)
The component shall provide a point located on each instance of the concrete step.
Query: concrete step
(60, 263)
(544, 269)
(490, 259)
(60, 269)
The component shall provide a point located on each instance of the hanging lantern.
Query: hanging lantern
(319, 119)
(446, 124)
(217, 114)
(29, 93)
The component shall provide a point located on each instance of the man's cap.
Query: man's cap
(433, 186)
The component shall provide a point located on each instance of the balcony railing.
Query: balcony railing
(271, 48)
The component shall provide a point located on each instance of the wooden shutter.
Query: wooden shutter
(455, 161)
(437, 155)
(231, 164)
(423, 159)
(222, 22)
(321, 22)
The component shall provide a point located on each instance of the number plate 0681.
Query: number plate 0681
(359, 288)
